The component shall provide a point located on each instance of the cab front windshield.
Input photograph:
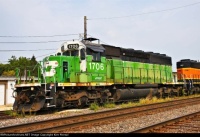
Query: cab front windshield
(71, 53)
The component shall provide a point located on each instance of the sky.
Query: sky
(39, 27)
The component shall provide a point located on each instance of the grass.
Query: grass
(94, 106)
(21, 114)
(126, 105)
(109, 105)
(12, 113)
(143, 101)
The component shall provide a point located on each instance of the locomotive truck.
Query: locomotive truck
(84, 71)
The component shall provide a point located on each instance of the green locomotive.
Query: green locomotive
(84, 71)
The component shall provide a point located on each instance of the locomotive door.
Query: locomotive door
(65, 70)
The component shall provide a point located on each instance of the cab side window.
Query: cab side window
(96, 56)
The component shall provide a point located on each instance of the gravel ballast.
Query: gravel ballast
(124, 126)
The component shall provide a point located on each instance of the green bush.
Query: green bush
(11, 113)
(94, 106)
(109, 105)
(129, 104)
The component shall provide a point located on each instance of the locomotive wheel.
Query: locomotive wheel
(159, 95)
(82, 102)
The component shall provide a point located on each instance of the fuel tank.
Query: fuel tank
(129, 94)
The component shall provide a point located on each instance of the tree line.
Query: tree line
(22, 64)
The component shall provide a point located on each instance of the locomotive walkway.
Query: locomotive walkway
(79, 122)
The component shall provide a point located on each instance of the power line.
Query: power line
(31, 42)
(38, 36)
(37, 56)
(146, 12)
(24, 50)
(45, 55)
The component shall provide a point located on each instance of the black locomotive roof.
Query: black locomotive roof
(187, 60)
(95, 47)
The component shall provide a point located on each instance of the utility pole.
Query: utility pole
(85, 27)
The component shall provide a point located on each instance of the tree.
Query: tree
(25, 65)
(34, 63)
(2, 68)
(9, 73)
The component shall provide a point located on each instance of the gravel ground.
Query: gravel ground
(129, 125)
(31, 118)
(125, 126)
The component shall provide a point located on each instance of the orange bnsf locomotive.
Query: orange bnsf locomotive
(188, 72)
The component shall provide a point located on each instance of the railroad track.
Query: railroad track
(186, 124)
(73, 123)
(5, 116)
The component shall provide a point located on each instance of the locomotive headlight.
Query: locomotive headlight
(32, 88)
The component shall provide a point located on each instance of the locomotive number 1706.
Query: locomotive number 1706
(96, 66)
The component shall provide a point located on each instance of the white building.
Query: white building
(6, 85)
